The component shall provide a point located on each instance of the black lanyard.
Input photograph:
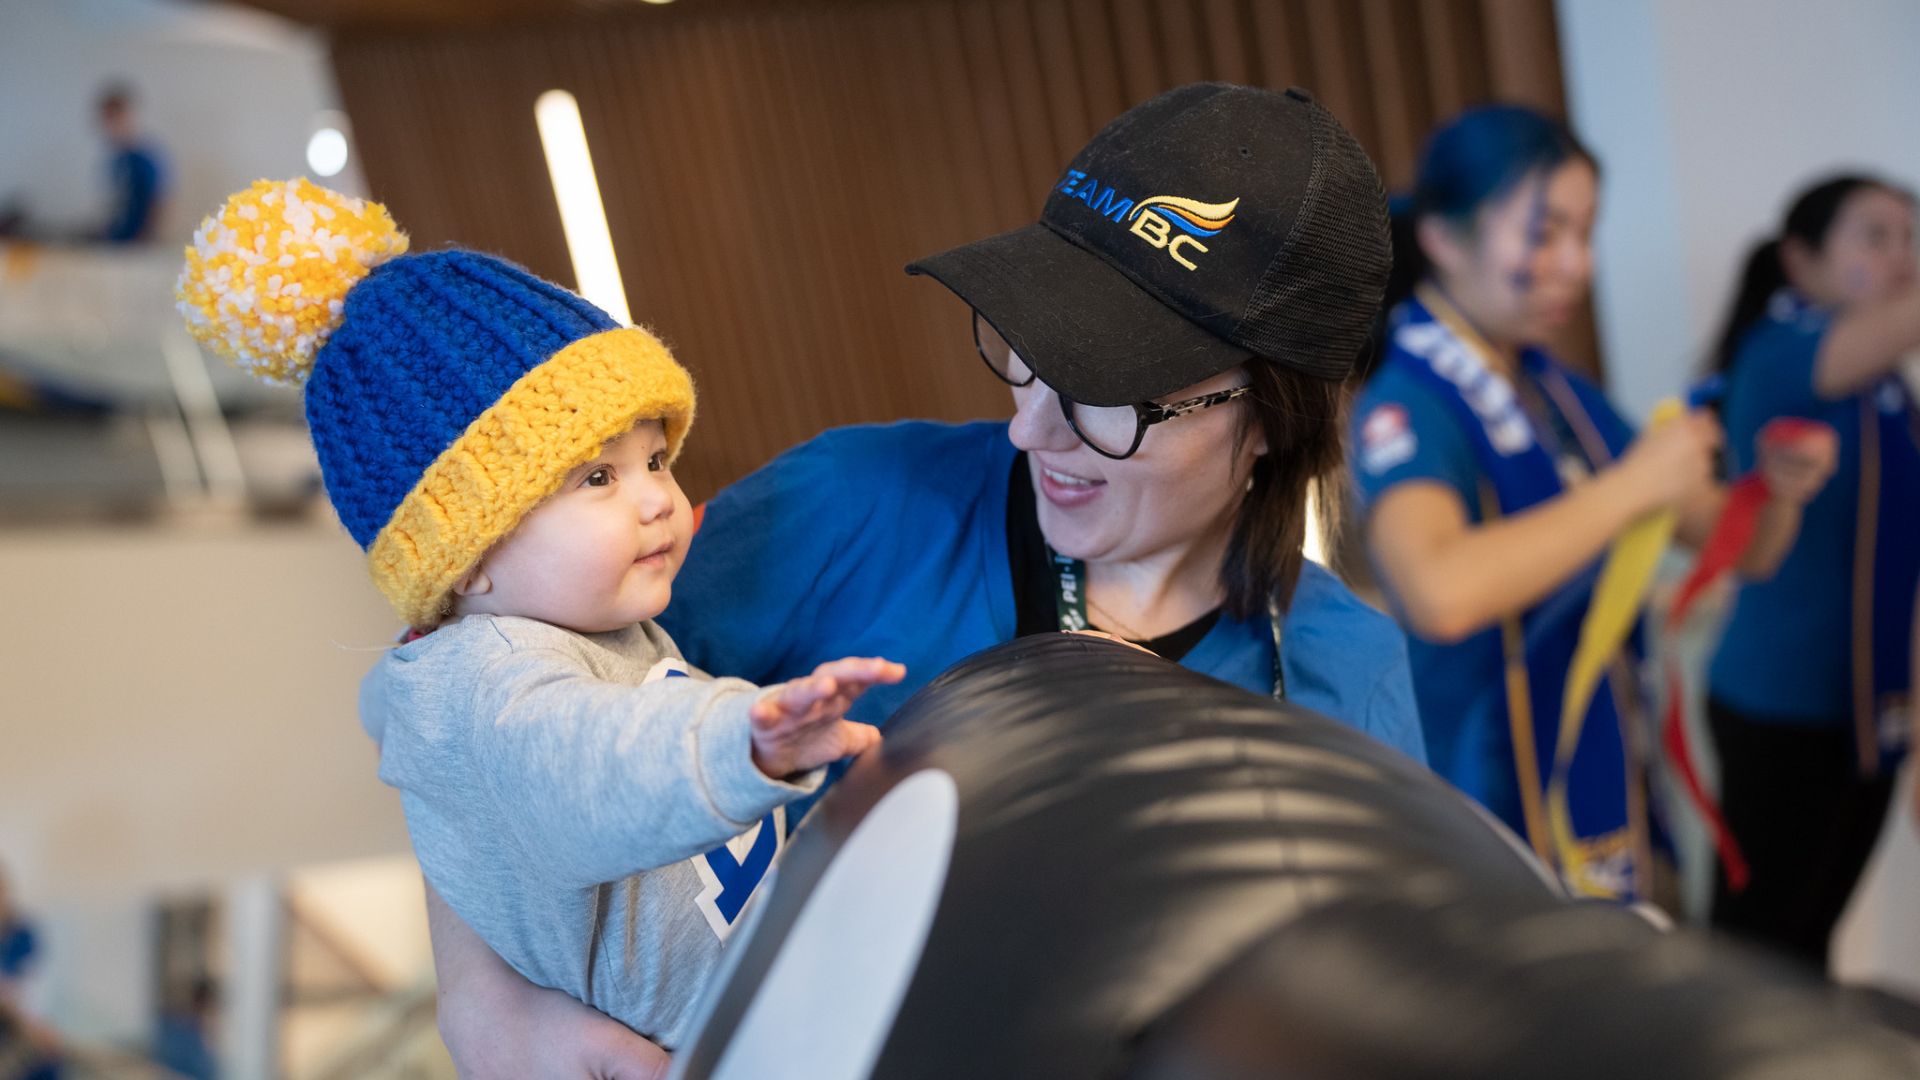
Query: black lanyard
(1070, 601)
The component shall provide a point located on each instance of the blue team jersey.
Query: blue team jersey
(891, 540)
(1787, 652)
(1404, 431)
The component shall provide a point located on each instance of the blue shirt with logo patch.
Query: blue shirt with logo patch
(891, 540)
(1425, 442)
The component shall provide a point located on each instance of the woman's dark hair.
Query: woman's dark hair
(1302, 418)
(1809, 220)
(1475, 158)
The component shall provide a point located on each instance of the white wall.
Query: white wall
(229, 93)
(1707, 115)
(181, 707)
(95, 978)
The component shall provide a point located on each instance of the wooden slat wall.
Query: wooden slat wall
(770, 165)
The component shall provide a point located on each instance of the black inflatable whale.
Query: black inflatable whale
(1072, 859)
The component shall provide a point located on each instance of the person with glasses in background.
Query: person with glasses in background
(1175, 331)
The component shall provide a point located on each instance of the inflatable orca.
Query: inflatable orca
(1074, 859)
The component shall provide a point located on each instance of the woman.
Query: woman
(1175, 331)
(1806, 691)
(1495, 480)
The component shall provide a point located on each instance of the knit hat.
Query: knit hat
(448, 393)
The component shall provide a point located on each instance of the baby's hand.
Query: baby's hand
(802, 725)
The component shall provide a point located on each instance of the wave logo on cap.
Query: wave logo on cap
(1198, 218)
(1156, 218)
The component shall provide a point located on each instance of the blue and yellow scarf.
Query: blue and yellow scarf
(1434, 343)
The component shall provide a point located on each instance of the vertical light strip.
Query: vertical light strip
(582, 215)
(1315, 547)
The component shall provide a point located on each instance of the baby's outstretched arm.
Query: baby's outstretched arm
(574, 778)
(543, 764)
(802, 725)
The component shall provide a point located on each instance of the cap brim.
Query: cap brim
(1084, 327)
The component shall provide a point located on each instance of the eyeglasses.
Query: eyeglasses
(1112, 431)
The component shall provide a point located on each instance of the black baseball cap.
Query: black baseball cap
(1210, 224)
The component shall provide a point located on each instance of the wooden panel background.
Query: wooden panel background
(769, 166)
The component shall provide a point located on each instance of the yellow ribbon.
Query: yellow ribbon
(1618, 598)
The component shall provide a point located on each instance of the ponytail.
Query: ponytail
(1408, 267)
(1763, 276)
(1409, 261)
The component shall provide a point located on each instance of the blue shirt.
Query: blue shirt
(1404, 431)
(138, 181)
(891, 541)
(1787, 653)
(180, 1044)
(16, 948)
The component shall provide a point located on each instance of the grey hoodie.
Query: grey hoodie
(574, 804)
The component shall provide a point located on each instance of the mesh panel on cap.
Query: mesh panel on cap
(1303, 313)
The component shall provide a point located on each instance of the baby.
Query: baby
(596, 810)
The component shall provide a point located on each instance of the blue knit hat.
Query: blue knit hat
(428, 343)
(448, 393)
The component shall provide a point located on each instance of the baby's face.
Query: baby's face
(601, 553)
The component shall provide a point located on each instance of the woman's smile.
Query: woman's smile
(1066, 490)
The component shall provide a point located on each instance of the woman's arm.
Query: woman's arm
(1454, 578)
(1865, 344)
(1773, 535)
(497, 1024)
(1698, 516)
(1795, 469)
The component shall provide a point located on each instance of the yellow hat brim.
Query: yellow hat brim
(514, 455)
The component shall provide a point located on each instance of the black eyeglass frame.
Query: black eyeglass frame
(1146, 413)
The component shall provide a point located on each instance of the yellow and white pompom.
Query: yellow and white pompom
(267, 274)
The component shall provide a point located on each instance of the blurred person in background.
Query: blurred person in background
(1808, 691)
(184, 1037)
(17, 946)
(1495, 480)
(135, 169)
(29, 1050)
(136, 182)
